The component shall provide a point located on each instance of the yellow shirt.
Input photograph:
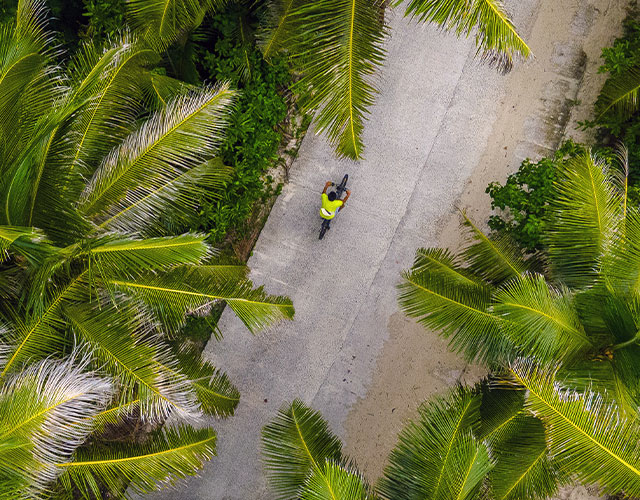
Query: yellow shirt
(328, 210)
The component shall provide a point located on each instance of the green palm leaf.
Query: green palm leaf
(183, 135)
(114, 415)
(278, 30)
(43, 412)
(40, 332)
(441, 261)
(162, 460)
(620, 94)
(187, 288)
(145, 207)
(497, 39)
(621, 267)
(28, 81)
(461, 313)
(495, 259)
(587, 436)
(294, 444)
(603, 376)
(109, 84)
(9, 235)
(334, 482)
(163, 21)
(337, 66)
(524, 468)
(437, 456)
(160, 89)
(135, 256)
(548, 326)
(216, 394)
(586, 212)
(122, 342)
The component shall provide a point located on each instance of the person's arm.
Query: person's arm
(326, 186)
(346, 198)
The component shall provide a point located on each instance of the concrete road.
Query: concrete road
(427, 132)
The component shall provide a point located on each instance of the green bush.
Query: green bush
(106, 18)
(252, 139)
(615, 127)
(525, 196)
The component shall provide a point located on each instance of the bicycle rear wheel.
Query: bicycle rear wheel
(323, 229)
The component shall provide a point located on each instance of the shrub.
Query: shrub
(252, 141)
(525, 196)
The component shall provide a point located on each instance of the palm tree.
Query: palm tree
(571, 311)
(337, 46)
(93, 283)
(517, 436)
(560, 332)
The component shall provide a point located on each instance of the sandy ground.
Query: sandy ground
(536, 111)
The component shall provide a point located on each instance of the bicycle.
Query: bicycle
(342, 187)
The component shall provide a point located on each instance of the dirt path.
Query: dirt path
(535, 112)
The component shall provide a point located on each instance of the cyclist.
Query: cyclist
(330, 205)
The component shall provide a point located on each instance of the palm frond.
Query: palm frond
(516, 440)
(9, 234)
(43, 410)
(216, 394)
(437, 456)
(161, 89)
(333, 481)
(337, 67)
(585, 214)
(165, 458)
(441, 261)
(297, 441)
(524, 468)
(145, 208)
(278, 30)
(115, 414)
(110, 86)
(619, 95)
(186, 288)
(41, 332)
(29, 87)
(603, 377)
(497, 40)
(31, 23)
(499, 408)
(163, 21)
(587, 437)
(621, 266)
(136, 256)
(496, 259)
(548, 326)
(179, 137)
(121, 341)
(462, 314)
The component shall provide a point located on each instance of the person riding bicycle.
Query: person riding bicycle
(330, 204)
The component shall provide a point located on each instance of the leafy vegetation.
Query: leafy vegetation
(335, 45)
(524, 197)
(251, 144)
(93, 282)
(571, 324)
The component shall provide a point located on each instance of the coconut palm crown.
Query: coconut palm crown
(98, 161)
